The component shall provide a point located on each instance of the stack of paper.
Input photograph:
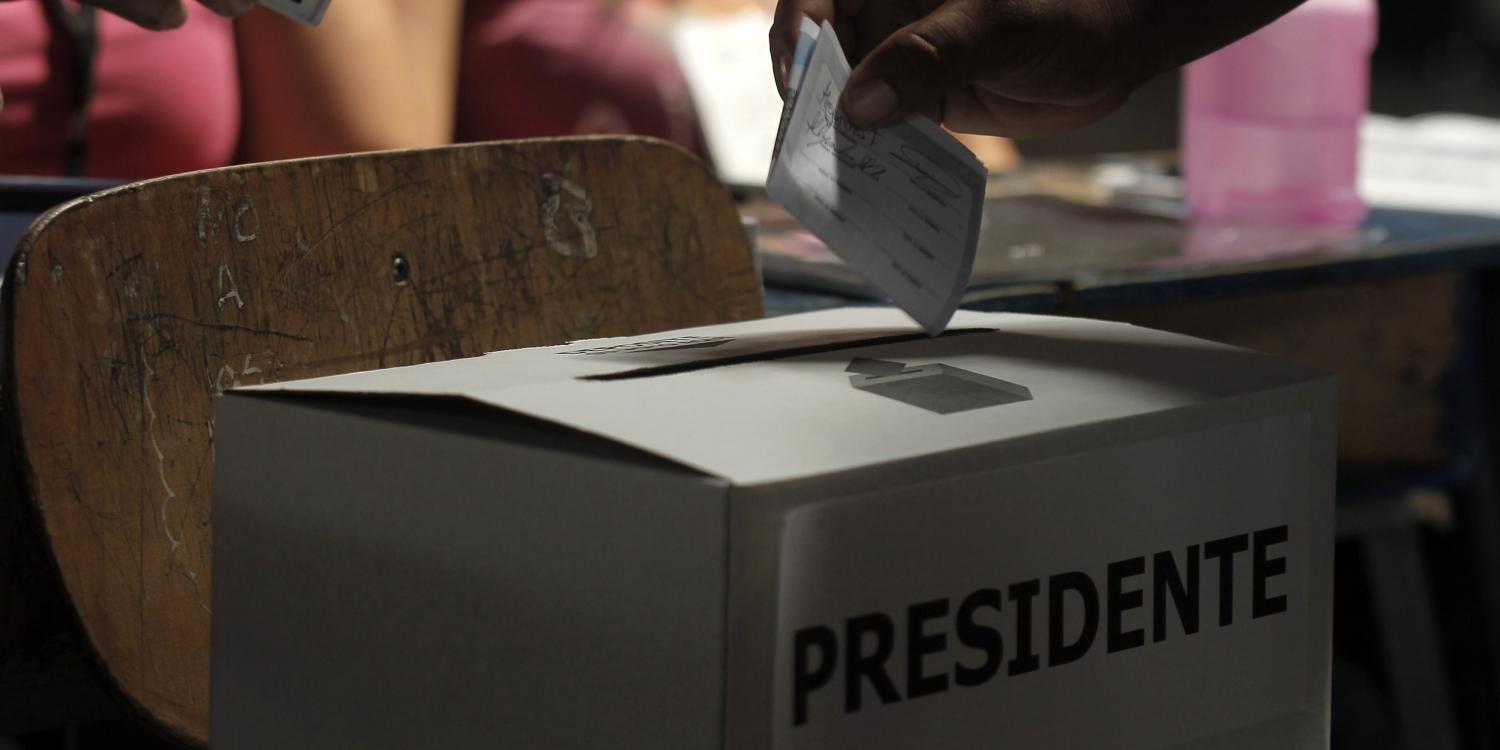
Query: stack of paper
(900, 205)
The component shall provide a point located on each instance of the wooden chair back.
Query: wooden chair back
(128, 311)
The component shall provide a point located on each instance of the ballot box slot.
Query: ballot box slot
(678, 368)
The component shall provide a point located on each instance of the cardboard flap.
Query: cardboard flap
(790, 397)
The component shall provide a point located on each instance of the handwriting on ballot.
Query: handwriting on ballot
(900, 205)
(854, 148)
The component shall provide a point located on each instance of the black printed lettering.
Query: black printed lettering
(986, 640)
(1224, 551)
(1059, 651)
(920, 644)
(1122, 601)
(1264, 568)
(941, 646)
(805, 677)
(1021, 595)
(861, 666)
(1166, 578)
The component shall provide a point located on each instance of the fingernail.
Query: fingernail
(782, 69)
(870, 104)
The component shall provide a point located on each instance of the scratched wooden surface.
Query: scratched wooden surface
(130, 310)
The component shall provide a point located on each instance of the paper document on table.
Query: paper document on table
(900, 205)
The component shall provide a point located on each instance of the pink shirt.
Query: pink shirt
(564, 67)
(163, 102)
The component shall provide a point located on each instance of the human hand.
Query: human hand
(161, 15)
(1017, 68)
(997, 67)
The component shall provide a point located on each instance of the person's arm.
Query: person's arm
(375, 75)
(1020, 68)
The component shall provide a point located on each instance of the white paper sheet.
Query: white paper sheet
(724, 60)
(1081, 514)
(1448, 163)
(900, 205)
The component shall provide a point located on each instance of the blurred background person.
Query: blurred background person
(564, 67)
(375, 75)
(409, 73)
(96, 95)
(91, 93)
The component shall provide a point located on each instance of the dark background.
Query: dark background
(1433, 56)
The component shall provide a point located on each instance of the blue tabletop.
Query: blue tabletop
(1039, 253)
(22, 199)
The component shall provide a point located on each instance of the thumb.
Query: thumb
(914, 67)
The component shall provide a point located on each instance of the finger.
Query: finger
(157, 15)
(913, 67)
(781, 61)
(229, 8)
(984, 113)
(785, 28)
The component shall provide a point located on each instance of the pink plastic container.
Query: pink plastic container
(1271, 123)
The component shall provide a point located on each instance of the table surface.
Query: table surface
(1044, 248)
(22, 199)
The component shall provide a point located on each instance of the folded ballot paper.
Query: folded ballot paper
(900, 205)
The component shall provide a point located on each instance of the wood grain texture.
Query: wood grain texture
(1391, 342)
(130, 310)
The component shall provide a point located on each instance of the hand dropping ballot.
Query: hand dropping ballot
(900, 205)
(309, 12)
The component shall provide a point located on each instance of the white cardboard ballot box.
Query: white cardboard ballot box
(820, 531)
